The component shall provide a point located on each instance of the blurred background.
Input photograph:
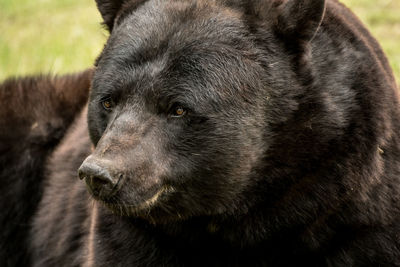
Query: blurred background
(60, 36)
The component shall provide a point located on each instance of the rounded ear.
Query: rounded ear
(299, 20)
(109, 10)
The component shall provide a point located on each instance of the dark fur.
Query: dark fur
(288, 155)
(36, 112)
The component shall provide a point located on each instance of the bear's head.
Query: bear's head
(187, 101)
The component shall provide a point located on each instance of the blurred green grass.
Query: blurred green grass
(60, 36)
(44, 36)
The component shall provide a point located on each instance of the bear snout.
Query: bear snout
(98, 179)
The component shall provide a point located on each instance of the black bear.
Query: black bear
(219, 133)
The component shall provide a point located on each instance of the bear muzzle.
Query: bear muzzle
(99, 181)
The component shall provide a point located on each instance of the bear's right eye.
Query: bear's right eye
(178, 111)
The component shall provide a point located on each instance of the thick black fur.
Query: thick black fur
(287, 154)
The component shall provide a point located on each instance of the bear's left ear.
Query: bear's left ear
(109, 9)
(299, 20)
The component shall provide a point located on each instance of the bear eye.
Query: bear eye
(107, 104)
(178, 111)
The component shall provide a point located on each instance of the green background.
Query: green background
(59, 36)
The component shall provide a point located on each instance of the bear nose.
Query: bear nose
(98, 179)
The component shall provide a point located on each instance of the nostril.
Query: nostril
(81, 173)
(97, 178)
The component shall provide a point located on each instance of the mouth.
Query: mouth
(117, 186)
(140, 209)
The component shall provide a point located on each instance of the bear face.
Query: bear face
(177, 112)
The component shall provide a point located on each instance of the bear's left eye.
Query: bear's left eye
(107, 104)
